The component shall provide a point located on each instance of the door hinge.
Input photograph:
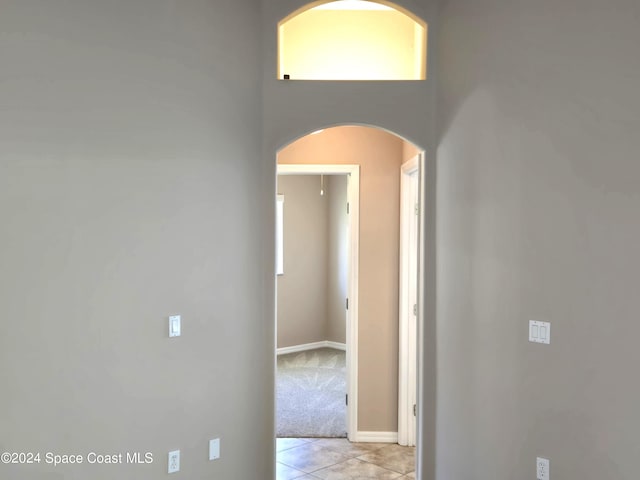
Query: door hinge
(417, 209)
(414, 410)
(415, 309)
(347, 207)
(346, 399)
(347, 302)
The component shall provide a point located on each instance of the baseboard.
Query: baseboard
(376, 437)
(336, 345)
(311, 346)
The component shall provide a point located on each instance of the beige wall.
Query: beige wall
(338, 258)
(312, 291)
(129, 191)
(537, 208)
(302, 290)
(409, 150)
(379, 155)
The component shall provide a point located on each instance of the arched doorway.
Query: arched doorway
(373, 336)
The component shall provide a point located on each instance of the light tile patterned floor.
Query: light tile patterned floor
(339, 459)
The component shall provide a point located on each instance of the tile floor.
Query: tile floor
(339, 459)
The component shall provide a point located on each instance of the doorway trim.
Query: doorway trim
(353, 200)
(410, 311)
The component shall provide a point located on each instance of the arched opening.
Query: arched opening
(352, 40)
(378, 364)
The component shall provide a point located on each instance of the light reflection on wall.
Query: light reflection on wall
(352, 40)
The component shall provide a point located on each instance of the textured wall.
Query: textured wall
(123, 148)
(537, 210)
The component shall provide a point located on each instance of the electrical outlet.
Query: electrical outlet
(214, 449)
(174, 461)
(542, 468)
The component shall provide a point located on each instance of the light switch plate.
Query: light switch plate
(539, 332)
(542, 468)
(175, 325)
(214, 449)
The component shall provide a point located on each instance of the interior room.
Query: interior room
(311, 317)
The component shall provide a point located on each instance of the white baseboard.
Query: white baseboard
(336, 345)
(311, 346)
(376, 437)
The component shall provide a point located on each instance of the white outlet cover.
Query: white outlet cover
(174, 461)
(542, 468)
(214, 449)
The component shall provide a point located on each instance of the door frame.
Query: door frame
(410, 348)
(353, 199)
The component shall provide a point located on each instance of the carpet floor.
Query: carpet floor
(310, 398)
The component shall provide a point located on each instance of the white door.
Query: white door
(409, 308)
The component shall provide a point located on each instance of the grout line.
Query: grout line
(329, 466)
(293, 468)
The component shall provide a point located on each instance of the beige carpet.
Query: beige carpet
(310, 394)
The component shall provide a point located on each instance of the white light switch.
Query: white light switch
(539, 332)
(174, 326)
(542, 468)
(214, 449)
